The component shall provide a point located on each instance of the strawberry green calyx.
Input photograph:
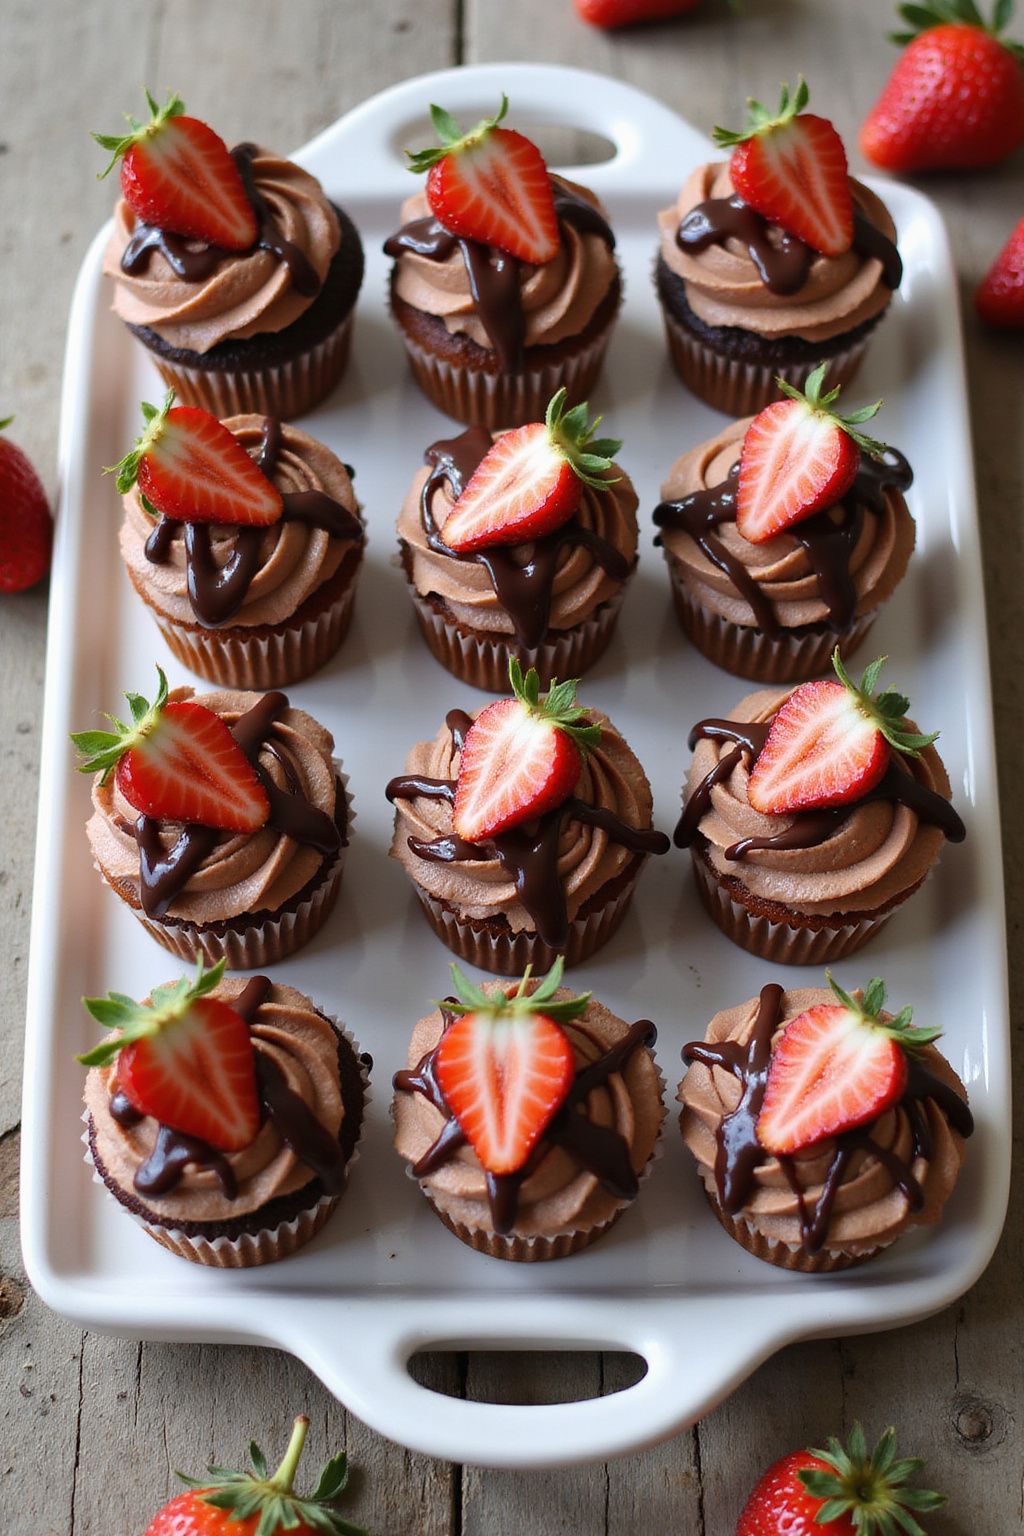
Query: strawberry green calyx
(821, 405)
(761, 121)
(120, 144)
(938, 13)
(5, 423)
(887, 710)
(273, 1499)
(139, 1021)
(868, 1488)
(558, 706)
(518, 1003)
(453, 139)
(868, 1009)
(127, 469)
(572, 435)
(102, 750)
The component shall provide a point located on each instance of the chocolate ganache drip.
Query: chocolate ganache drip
(216, 592)
(523, 587)
(164, 873)
(493, 274)
(739, 1154)
(529, 853)
(829, 537)
(192, 261)
(602, 1151)
(806, 829)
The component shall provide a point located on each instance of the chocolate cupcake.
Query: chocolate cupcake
(553, 600)
(893, 1137)
(808, 885)
(746, 300)
(775, 610)
(267, 1098)
(524, 829)
(225, 824)
(528, 1116)
(262, 326)
(499, 306)
(247, 605)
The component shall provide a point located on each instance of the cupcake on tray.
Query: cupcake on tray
(823, 1127)
(812, 815)
(505, 285)
(784, 535)
(233, 268)
(528, 1115)
(223, 1115)
(520, 543)
(773, 261)
(244, 539)
(220, 820)
(524, 829)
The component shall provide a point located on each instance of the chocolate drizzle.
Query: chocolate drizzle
(523, 586)
(164, 873)
(527, 853)
(602, 1151)
(192, 261)
(739, 1154)
(829, 537)
(215, 591)
(493, 274)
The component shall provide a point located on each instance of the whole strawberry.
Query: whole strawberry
(26, 527)
(254, 1504)
(1000, 297)
(627, 13)
(840, 1491)
(955, 100)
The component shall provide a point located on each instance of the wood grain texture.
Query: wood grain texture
(91, 1428)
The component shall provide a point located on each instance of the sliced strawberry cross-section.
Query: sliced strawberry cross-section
(491, 185)
(521, 757)
(835, 1067)
(190, 468)
(184, 1058)
(178, 175)
(531, 481)
(177, 761)
(831, 742)
(792, 169)
(506, 1065)
(799, 456)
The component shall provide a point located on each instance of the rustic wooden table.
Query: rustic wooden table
(90, 1427)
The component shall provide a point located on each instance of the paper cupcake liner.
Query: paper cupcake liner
(482, 659)
(788, 943)
(742, 388)
(285, 390)
(825, 1262)
(788, 657)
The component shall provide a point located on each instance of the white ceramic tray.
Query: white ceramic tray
(385, 1279)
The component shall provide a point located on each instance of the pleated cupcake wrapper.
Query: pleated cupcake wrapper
(251, 1248)
(788, 657)
(261, 661)
(742, 388)
(783, 943)
(497, 400)
(482, 659)
(254, 947)
(784, 1256)
(284, 390)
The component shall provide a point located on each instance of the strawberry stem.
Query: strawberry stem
(120, 144)
(887, 711)
(821, 405)
(923, 16)
(518, 1003)
(284, 1477)
(127, 469)
(867, 1007)
(101, 751)
(558, 706)
(452, 137)
(137, 1021)
(866, 1489)
(573, 436)
(760, 120)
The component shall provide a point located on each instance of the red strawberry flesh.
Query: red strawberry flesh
(514, 767)
(195, 470)
(796, 175)
(523, 488)
(821, 750)
(189, 768)
(795, 461)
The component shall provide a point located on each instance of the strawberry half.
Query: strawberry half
(531, 481)
(521, 757)
(192, 469)
(835, 1067)
(792, 169)
(831, 743)
(177, 174)
(799, 456)
(177, 761)
(491, 185)
(184, 1058)
(505, 1067)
